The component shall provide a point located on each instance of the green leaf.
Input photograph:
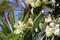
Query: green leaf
(21, 15)
(5, 24)
(28, 35)
(55, 38)
(3, 36)
(4, 28)
(38, 9)
(34, 16)
(21, 37)
(37, 20)
(12, 17)
(26, 17)
(13, 36)
(40, 36)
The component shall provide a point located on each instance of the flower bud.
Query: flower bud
(40, 25)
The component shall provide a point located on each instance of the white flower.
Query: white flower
(17, 31)
(32, 10)
(57, 4)
(49, 19)
(48, 34)
(49, 31)
(15, 26)
(30, 21)
(53, 1)
(36, 4)
(19, 22)
(33, 5)
(57, 32)
(36, 30)
(52, 24)
(42, 11)
(20, 27)
(59, 20)
(30, 1)
(57, 25)
(40, 25)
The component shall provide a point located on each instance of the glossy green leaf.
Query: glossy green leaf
(3, 36)
(28, 35)
(4, 28)
(5, 25)
(40, 36)
(26, 17)
(13, 36)
(34, 16)
(12, 17)
(21, 16)
(38, 9)
(37, 20)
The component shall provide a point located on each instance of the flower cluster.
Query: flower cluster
(34, 3)
(52, 28)
(48, 31)
(21, 26)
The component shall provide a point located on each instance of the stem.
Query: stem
(23, 3)
(9, 24)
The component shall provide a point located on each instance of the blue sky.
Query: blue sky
(17, 10)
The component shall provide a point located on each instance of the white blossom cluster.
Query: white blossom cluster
(53, 28)
(34, 3)
(21, 26)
